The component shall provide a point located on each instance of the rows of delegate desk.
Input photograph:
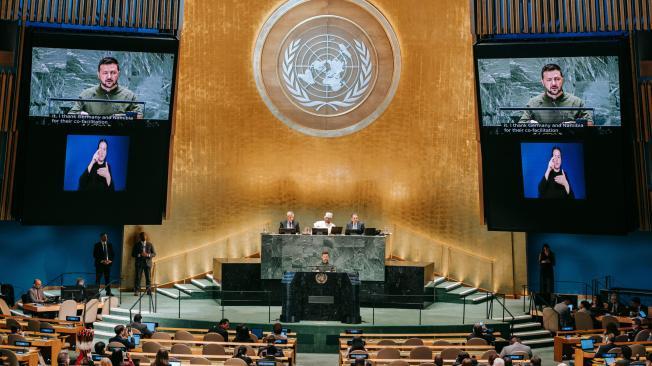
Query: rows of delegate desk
(50, 344)
(406, 343)
(568, 343)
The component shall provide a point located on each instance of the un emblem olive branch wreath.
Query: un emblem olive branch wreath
(352, 96)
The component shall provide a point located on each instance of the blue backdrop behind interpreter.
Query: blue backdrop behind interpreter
(535, 157)
(80, 150)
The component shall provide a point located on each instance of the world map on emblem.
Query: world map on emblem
(327, 73)
(327, 69)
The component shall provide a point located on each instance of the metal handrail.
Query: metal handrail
(62, 277)
(631, 291)
(97, 297)
(152, 301)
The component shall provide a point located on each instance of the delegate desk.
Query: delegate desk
(348, 253)
(30, 357)
(52, 308)
(321, 296)
(564, 341)
(582, 356)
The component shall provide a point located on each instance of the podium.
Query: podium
(321, 296)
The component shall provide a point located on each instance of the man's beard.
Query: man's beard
(113, 85)
(556, 94)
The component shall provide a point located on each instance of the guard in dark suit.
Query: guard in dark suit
(103, 254)
(355, 226)
(143, 252)
(614, 306)
(290, 223)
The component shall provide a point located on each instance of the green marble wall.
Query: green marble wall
(348, 253)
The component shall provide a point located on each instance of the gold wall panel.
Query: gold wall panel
(236, 168)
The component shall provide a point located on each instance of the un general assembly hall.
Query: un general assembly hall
(326, 182)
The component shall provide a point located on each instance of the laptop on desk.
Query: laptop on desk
(370, 231)
(319, 231)
(285, 230)
(587, 345)
(353, 232)
(336, 230)
(151, 326)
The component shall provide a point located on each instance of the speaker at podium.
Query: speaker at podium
(321, 295)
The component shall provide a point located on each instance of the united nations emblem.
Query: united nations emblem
(327, 74)
(321, 278)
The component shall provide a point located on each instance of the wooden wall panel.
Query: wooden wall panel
(154, 14)
(554, 16)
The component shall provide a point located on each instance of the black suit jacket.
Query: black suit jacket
(284, 224)
(620, 309)
(137, 250)
(360, 228)
(98, 252)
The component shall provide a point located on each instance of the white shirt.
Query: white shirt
(321, 224)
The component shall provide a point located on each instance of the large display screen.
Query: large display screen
(554, 121)
(96, 128)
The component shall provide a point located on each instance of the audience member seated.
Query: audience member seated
(100, 348)
(499, 362)
(611, 338)
(508, 361)
(162, 358)
(122, 336)
(36, 294)
(535, 361)
(614, 307)
(469, 362)
(106, 362)
(439, 361)
(564, 312)
(597, 305)
(515, 345)
(480, 331)
(612, 328)
(585, 307)
(222, 329)
(241, 353)
(277, 331)
(490, 360)
(636, 328)
(636, 307)
(357, 344)
(626, 356)
(460, 357)
(119, 358)
(17, 330)
(242, 334)
(142, 328)
(63, 359)
(271, 351)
